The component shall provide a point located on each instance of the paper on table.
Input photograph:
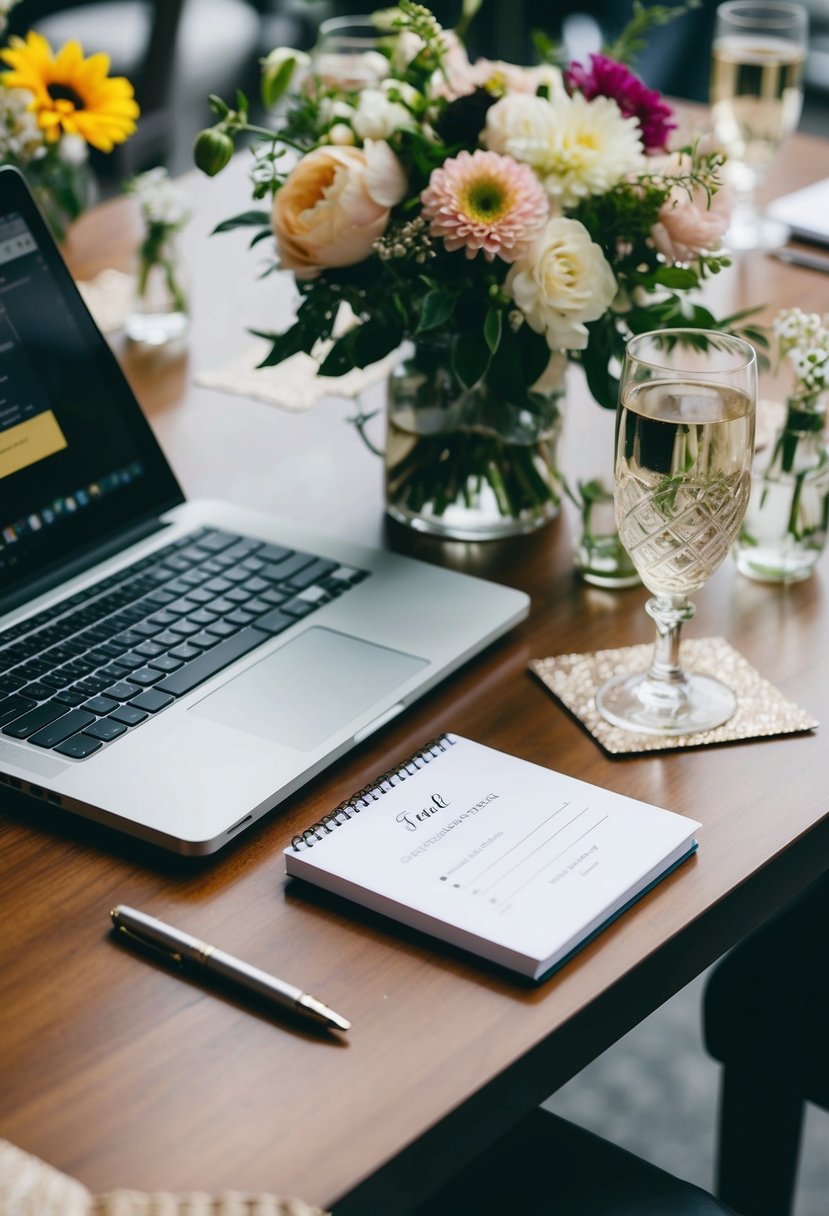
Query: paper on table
(805, 211)
(292, 384)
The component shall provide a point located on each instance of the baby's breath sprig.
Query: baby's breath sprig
(409, 241)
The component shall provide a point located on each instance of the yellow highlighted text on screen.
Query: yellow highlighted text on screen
(29, 442)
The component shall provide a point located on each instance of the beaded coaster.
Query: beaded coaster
(761, 711)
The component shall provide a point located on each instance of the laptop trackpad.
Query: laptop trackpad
(313, 686)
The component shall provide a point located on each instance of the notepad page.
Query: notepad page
(488, 850)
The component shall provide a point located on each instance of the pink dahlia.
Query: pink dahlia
(607, 78)
(484, 201)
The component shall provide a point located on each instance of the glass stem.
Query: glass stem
(669, 613)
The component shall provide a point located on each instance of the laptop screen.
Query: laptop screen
(77, 458)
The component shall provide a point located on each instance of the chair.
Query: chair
(765, 1015)
(548, 1167)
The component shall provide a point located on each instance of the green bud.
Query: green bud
(212, 150)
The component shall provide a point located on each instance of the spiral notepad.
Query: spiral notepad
(517, 863)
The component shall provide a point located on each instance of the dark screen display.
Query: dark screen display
(77, 459)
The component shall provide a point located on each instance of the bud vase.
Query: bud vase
(464, 463)
(785, 526)
(159, 312)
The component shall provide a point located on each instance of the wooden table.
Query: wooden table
(124, 1075)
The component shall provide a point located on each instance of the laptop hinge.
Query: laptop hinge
(80, 562)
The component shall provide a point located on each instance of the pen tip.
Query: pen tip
(323, 1013)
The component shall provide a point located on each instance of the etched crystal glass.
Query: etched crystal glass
(684, 445)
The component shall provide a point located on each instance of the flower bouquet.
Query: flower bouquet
(53, 108)
(786, 523)
(160, 305)
(500, 220)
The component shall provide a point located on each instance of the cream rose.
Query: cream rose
(334, 206)
(377, 116)
(560, 282)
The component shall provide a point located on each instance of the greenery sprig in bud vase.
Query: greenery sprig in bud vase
(160, 308)
(786, 523)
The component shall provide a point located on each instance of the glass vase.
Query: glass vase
(465, 463)
(785, 527)
(598, 554)
(159, 312)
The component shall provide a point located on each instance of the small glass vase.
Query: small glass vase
(785, 527)
(464, 463)
(159, 312)
(598, 554)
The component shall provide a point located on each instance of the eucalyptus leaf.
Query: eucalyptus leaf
(246, 219)
(493, 324)
(438, 306)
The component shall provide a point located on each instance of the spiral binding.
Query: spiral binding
(379, 786)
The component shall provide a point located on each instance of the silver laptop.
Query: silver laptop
(175, 669)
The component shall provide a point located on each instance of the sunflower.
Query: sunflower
(70, 94)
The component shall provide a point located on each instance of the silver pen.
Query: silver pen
(181, 948)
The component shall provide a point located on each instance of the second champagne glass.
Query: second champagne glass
(756, 98)
(684, 444)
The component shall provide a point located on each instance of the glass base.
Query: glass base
(770, 564)
(156, 328)
(459, 523)
(756, 232)
(654, 707)
(602, 562)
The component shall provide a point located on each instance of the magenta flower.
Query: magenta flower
(484, 201)
(607, 78)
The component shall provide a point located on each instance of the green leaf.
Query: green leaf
(535, 354)
(438, 306)
(275, 83)
(260, 236)
(218, 106)
(677, 277)
(242, 104)
(493, 324)
(339, 360)
(470, 359)
(246, 219)
(373, 340)
(283, 345)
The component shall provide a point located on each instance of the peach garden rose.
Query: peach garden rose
(334, 206)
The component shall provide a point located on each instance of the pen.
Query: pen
(180, 948)
(801, 257)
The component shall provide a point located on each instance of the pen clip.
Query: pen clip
(169, 956)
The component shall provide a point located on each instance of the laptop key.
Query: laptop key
(185, 652)
(71, 697)
(100, 705)
(152, 700)
(166, 662)
(214, 542)
(222, 629)
(78, 747)
(145, 676)
(275, 621)
(201, 669)
(129, 715)
(311, 574)
(122, 691)
(26, 724)
(150, 650)
(105, 729)
(62, 728)
(13, 707)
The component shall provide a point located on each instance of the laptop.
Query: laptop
(176, 669)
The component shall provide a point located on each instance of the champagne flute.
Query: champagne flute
(756, 98)
(346, 54)
(684, 444)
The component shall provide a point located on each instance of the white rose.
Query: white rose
(376, 117)
(560, 282)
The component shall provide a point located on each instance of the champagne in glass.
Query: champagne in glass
(347, 55)
(756, 98)
(684, 443)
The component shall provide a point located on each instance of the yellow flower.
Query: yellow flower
(70, 94)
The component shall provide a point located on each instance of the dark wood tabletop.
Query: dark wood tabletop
(124, 1074)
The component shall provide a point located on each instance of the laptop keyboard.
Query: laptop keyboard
(91, 668)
